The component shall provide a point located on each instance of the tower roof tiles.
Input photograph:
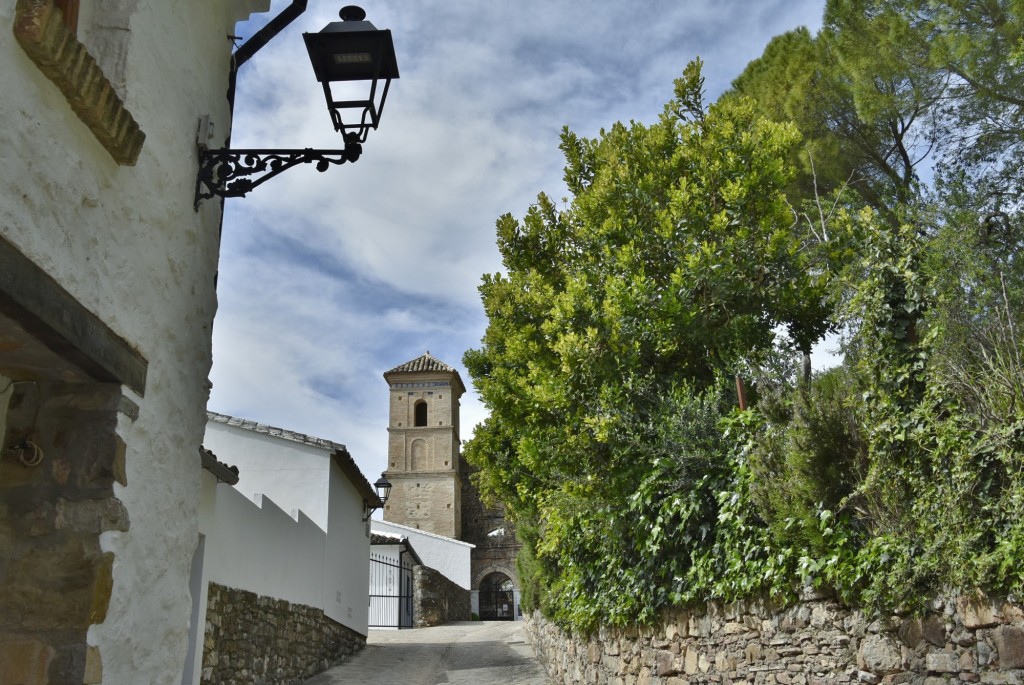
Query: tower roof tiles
(425, 362)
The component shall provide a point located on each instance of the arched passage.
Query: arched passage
(497, 598)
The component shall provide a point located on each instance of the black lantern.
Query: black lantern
(383, 487)
(351, 50)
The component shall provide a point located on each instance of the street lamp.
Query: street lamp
(352, 50)
(383, 488)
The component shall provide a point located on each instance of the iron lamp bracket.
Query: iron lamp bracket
(233, 173)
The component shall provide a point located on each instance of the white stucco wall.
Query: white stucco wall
(293, 474)
(260, 548)
(300, 479)
(126, 243)
(347, 558)
(448, 556)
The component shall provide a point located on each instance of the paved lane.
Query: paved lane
(469, 653)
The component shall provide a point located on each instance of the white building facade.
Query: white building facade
(447, 556)
(255, 551)
(289, 467)
(107, 300)
(313, 483)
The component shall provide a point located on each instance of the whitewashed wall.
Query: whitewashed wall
(448, 556)
(293, 474)
(262, 549)
(347, 559)
(305, 482)
(126, 243)
(255, 547)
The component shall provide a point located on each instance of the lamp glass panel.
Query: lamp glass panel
(353, 58)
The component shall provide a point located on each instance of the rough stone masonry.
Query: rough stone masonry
(965, 639)
(255, 639)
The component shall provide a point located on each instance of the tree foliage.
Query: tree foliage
(864, 179)
(676, 258)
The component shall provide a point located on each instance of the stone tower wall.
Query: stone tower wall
(431, 486)
(423, 461)
(425, 501)
(493, 552)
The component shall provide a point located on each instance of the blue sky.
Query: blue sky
(328, 280)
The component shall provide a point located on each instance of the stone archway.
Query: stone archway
(61, 372)
(497, 598)
(483, 570)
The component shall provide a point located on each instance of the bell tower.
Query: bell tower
(423, 446)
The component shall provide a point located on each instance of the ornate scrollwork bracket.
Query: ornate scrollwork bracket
(233, 173)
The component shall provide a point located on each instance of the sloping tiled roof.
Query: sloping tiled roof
(386, 538)
(275, 432)
(338, 451)
(391, 539)
(378, 526)
(425, 362)
(223, 472)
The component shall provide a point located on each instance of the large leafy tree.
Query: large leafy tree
(869, 138)
(933, 302)
(969, 53)
(677, 257)
(687, 244)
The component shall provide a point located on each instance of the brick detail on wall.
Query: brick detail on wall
(815, 642)
(437, 599)
(39, 28)
(255, 639)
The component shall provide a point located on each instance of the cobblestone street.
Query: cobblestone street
(466, 653)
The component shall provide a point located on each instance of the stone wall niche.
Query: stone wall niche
(58, 463)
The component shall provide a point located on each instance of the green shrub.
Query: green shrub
(809, 458)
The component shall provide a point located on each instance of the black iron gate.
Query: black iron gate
(497, 598)
(390, 591)
(497, 605)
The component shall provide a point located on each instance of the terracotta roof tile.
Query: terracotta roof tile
(223, 472)
(425, 362)
(338, 451)
(274, 431)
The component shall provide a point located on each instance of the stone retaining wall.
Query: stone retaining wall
(254, 639)
(437, 599)
(961, 639)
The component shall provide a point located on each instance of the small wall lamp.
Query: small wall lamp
(383, 488)
(350, 50)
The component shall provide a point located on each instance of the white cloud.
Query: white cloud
(327, 280)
